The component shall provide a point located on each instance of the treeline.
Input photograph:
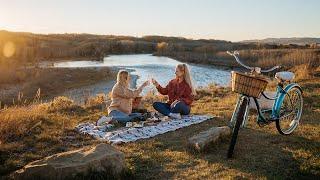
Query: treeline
(33, 48)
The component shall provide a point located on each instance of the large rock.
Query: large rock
(204, 139)
(102, 158)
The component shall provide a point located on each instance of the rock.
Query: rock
(102, 158)
(202, 140)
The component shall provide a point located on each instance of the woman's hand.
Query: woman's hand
(146, 83)
(154, 82)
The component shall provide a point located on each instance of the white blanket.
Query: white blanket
(125, 135)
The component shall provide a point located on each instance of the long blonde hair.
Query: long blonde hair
(187, 77)
(122, 78)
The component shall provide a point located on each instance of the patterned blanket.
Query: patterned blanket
(124, 135)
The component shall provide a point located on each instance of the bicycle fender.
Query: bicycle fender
(278, 102)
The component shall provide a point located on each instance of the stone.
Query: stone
(102, 158)
(204, 139)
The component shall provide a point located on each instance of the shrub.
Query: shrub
(61, 104)
(96, 102)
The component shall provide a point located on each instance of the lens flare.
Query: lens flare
(9, 49)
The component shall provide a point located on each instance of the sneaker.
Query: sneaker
(175, 115)
(104, 120)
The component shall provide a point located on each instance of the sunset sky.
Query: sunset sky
(232, 20)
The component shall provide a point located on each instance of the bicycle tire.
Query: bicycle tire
(240, 118)
(297, 117)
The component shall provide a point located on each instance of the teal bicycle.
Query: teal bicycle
(287, 106)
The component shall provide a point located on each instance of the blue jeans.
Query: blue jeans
(122, 117)
(165, 109)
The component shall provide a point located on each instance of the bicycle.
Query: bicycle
(287, 107)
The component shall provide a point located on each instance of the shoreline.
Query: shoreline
(52, 82)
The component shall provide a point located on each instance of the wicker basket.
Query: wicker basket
(248, 84)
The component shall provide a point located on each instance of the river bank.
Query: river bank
(46, 83)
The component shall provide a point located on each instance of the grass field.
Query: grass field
(260, 152)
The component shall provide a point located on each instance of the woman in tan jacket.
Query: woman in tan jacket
(120, 109)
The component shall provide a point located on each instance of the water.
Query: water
(146, 66)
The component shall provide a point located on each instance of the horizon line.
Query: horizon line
(172, 36)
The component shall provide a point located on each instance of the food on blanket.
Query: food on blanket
(165, 118)
(153, 120)
(138, 125)
(135, 124)
(129, 124)
(151, 123)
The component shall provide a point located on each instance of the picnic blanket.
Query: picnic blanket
(124, 135)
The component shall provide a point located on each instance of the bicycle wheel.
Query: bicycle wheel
(290, 111)
(240, 117)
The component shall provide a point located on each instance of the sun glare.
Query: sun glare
(9, 49)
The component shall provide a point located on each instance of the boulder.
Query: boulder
(204, 139)
(102, 158)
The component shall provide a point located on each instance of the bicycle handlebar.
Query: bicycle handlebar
(257, 69)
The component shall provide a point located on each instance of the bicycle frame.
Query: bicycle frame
(278, 99)
(275, 110)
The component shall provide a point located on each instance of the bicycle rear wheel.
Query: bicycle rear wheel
(290, 112)
(239, 119)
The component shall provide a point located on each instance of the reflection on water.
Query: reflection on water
(147, 66)
(162, 69)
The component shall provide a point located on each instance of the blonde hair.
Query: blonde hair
(122, 77)
(187, 77)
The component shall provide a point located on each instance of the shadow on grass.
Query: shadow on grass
(257, 154)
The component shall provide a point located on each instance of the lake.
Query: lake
(147, 66)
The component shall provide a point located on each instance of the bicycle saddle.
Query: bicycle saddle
(284, 76)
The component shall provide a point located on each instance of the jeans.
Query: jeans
(122, 117)
(165, 109)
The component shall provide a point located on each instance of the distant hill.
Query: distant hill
(294, 40)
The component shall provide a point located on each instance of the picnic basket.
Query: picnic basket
(248, 84)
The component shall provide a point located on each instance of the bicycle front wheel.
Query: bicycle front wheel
(239, 119)
(290, 111)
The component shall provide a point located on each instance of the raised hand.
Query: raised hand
(146, 83)
(154, 82)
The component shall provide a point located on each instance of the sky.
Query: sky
(232, 20)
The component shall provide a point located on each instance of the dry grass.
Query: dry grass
(50, 81)
(287, 58)
(17, 121)
(260, 152)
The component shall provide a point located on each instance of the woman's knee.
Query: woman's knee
(156, 105)
(181, 107)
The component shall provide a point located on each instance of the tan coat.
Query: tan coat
(121, 98)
